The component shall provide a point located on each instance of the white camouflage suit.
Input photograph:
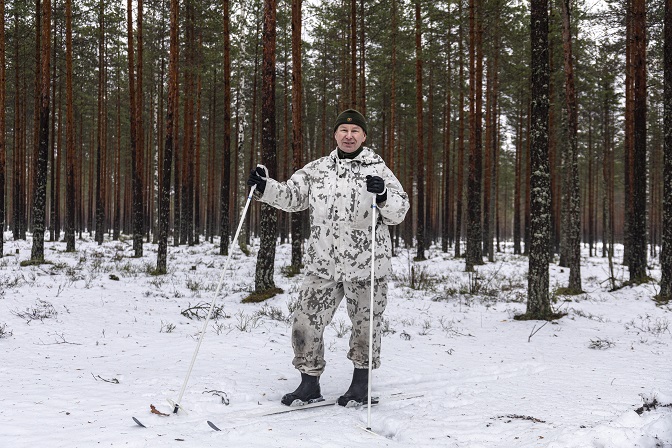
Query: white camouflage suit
(338, 255)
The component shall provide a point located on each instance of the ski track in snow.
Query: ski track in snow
(76, 380)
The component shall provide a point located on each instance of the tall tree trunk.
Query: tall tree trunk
(574, 210)
(297, 127)
(518, 180)
(3, 148)
(429, 163)
(59, 163)
(269, 218)
(460, 147)
(29, 186)
(447, 205)
(353, 54)
(186, 212)
(69, 136)
(245, 240)
(362, 59)
(40, 192)
(138, 189)
(196, 194)
(637, 227)
(19, 132)
(494, 149)
(420, 156)
(666, 252)
(116, 225)
(538, 300)
(102, 121)
(591, 188)
(135, 174)
(474, 252)
(628, 139)
(225, 189)
(608, 176)
(164, 192)
(391, 141)
(488, 163)
(52, 143)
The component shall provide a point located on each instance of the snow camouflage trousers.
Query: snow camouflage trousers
(318, 300)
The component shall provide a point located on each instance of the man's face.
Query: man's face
(349, 137)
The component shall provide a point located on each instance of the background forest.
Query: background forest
(143, 119)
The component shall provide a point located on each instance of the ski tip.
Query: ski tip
(368, 430)
(213, 426)
(137, 422)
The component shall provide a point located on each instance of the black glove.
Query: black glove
(258, 178)
(376, 184)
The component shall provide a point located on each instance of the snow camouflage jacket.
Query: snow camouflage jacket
(334, 192)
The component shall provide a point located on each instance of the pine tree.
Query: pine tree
(164, 192)
(69, 136)
(135, 174)
(297, 127)
(225, 188)
(2, 127)
(572, 174)
(666, 252)
(459, 206)
(538, 300)
(264, 283)
(637, 225)
(40, 188)
(474, 252)
(102, 121)
(420, 154)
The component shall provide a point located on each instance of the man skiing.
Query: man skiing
(338, 191)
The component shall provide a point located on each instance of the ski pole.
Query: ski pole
(374, 206)
(212, 304)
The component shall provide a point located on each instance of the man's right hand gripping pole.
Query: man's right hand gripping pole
(258, 178)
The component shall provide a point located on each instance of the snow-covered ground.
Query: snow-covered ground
(111, 341)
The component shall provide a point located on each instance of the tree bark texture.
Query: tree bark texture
(420, 154)
(269, 218)
(41, 159)
(572, 174)
(637, 227)
(164, 192)
(538, 301)
(225, 188)
(297, 127)
(69, 136)
(666, 252)
(474, 252)
(2, 126)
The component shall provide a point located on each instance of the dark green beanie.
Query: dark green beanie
(351, 116)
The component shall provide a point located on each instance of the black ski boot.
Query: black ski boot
(357, 393)
(307, 392)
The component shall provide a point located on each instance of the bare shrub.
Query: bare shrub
(341, 327)
(4, 331)
(601, 344)
(246, 322)
(271, 312)
(200, 311)
(647, 324)
(42, 310)
(167, 327)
